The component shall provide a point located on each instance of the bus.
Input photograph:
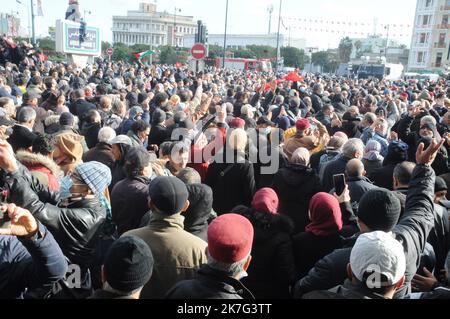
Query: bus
(254, 65)
(392, 72)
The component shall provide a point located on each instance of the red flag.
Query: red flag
(293, 77)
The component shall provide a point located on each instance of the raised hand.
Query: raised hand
(23, 224)
(427, 157)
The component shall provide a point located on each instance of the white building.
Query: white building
(430, 45)
(148, 26)
(240, 41)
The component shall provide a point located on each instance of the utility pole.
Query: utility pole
(33, 37)
(278, 36)
(387, 41)
(175, 26)
(270, 10)
(225, 38)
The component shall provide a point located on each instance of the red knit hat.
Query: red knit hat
(266, 201)
(237, 123)
(230, 238)
(404, 95)
(302, 125)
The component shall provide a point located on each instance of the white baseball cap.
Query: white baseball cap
(381, 254)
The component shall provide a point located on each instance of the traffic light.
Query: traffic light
(83, 29)
(202, 33)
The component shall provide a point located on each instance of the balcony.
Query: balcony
(436, 65)
(440, 45)
(445, 8)
(443, 26)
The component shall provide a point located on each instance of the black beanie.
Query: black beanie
(440, 185)
(380, 210)
(128, 264)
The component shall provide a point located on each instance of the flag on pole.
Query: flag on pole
(141, 55)
(40, 13)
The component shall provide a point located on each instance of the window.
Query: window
(420, 57)
(148, 26)
(423, 38)
(428, 3)
(445, 19)
(439, 59)
(426, 20)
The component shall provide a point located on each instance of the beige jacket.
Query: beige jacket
(177, 254)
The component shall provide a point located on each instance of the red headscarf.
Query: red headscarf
(326, 216)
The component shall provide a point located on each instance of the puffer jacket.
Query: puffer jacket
(42, 167)
(75, 227)
(412, 232)
(200, 209)
(295, 186)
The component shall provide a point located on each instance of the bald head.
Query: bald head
(355, 168)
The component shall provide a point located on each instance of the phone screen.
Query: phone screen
(339, 183)
(5, 222)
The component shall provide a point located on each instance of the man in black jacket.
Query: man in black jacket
(230, 239)
(316, 98)
(33, 257)
(80, 107)
(412, 231)
(129, 198)
(22, 137)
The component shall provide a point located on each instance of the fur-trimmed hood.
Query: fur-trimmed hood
(29, 160)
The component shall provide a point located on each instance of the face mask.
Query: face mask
(267, 131)
(66, 185)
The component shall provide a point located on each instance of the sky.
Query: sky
(252, 17)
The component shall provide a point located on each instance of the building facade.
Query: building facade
(9, 25)
(150, 27)
(240, 41)
(430, 45)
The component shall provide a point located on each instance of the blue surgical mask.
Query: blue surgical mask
(66, 185)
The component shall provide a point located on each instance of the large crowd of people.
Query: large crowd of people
(154, 181)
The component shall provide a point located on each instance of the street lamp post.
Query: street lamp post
(278, 36)
(33, 31)
(175, 26)
(387, 41)
(225, 37)
(29, 19)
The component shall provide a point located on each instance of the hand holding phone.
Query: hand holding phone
(339, 184)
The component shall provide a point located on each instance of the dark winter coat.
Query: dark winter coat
(29, 263)
(295, 185)
(210, 284)
(272, 269)
(199, 211)
(158, 135)
(129, 203)
(233, 183)
(90, 132)
(334, 167)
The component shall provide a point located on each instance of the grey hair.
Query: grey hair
(301, 157)
(189, 176)
(106, 134)
(428, 120)
(26, 115)
(231, 270)
(353, 146)
(370, 117)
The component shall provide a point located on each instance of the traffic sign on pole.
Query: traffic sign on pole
(199, 51)
(109, 51)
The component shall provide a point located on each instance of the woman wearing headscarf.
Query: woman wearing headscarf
(295, 185)
(272, 270)
(372, 158)
(68, 151)
(321, 236)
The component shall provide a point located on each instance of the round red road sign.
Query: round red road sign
(109, 51)
(198, 51)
